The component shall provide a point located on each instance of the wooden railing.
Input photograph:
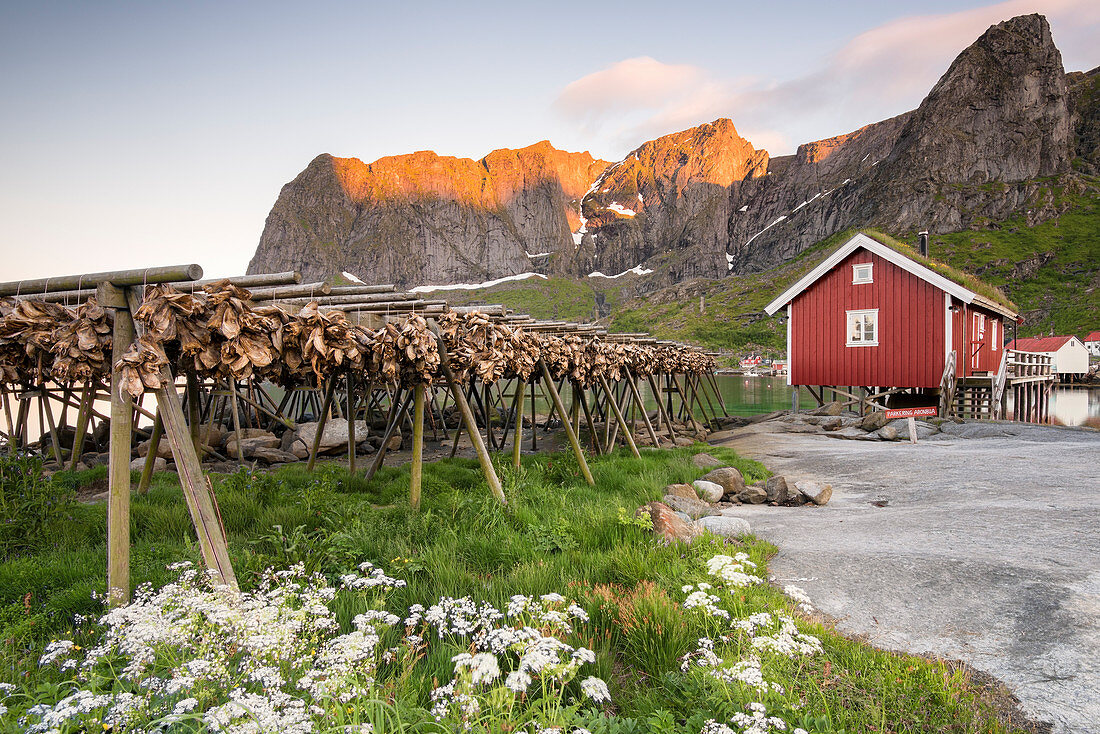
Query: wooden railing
(948, 382)
(999, 385)
(1025, 366)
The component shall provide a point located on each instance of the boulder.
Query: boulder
(753, 495)
(394, 444)
(791, 497)
(684, 516)
(853, 434)
(696, 508)
(815, 492)
(728, 478)
(873, 421)
(164, 449)
(138, 464)
(720, 436)
(682, 441)
(726, 526)
(686, 491)
(274, 456)
(776, 489)
(334, 435)
(667, 524)
(705, 461)
(831, 423)
(887, 433)
(228, 437)
(832, 408)
(249, 445)
(213, 435)
(709, 491)
(801, 428)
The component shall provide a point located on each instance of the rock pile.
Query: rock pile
(709, 503)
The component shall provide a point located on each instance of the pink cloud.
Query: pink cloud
(877, 74)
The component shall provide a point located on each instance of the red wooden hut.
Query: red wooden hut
(872, 316)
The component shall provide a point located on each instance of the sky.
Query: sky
(154, 133)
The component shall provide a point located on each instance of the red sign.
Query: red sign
(911, 412)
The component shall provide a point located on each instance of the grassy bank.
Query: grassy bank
(646, 605)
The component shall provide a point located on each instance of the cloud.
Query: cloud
(877, 74)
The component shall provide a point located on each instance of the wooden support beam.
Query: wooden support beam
(118, 469)
(86, 398)
(322, 418)
(151, 456)
(417, 468)
(201, 502)
(517, 430)
(351, 421)
(548, 384)
(116, 277)
(642, 410)
(55, 440)
(621, 420)
(593, 435)
(397, 409)
(661, 407)
(235, 416)
(471, 425)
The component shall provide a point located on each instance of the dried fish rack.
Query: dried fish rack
(354, 351)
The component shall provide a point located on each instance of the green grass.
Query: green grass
(556, 534)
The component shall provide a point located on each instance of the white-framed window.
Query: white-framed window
(862, 273)
(993, 333)
(863, 328)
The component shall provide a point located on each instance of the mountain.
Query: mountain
(1004, 132)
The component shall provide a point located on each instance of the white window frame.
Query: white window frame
(869, 278)
(860, 313)
(993, 334)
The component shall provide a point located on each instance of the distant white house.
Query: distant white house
(1092, 343)
(1068, 354)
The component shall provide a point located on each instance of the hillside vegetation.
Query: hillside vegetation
(1051, 271)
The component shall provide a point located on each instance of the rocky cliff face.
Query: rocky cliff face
(703, 202)
(422, 218)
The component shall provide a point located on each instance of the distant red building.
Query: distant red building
(871, 316)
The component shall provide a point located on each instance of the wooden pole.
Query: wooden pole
(548, 383)
(236, 417)
(661, 407)
(397, 409)
(7, 417)
(621, 419)
(322, 418)
(517, 429)
(718, 393)
(194, 417)
(115, 277)
(118, 502)
(417, 468)
(592, 433)
(55, 440)
(471, 427)
(642, 410)
(201, 501)
(351, 421)
(86, 399)
(151, 455)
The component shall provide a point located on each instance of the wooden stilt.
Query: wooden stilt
(534, 424)
(196, 487)
(118, 500)
(642, 410)
(86, 400)
(718, 393)
(548, 382)
(661, 408)
(417, 468)
(517, 409)
(621, 420)
(55, 440)
(322, 418)
(7, 417)
(592, 433)
(194, 419)
(236, 418)
(397, 409)
(151, 456)
(351, 422)
(471, 427)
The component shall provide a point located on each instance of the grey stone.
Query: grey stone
(274, 456)
(250, 445)
(887, 433)
(705, 461)
(138, 464)
(829, 409)
(853, 434)
(729, 478)
(724, 525)
(696, 508)
(709, 491)
(775, 488)
(832, 423)
(815, 492)
(684, 516)
(873, 421)
(687, 491)
(924, 430)
(753, 495)
(335, 434)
